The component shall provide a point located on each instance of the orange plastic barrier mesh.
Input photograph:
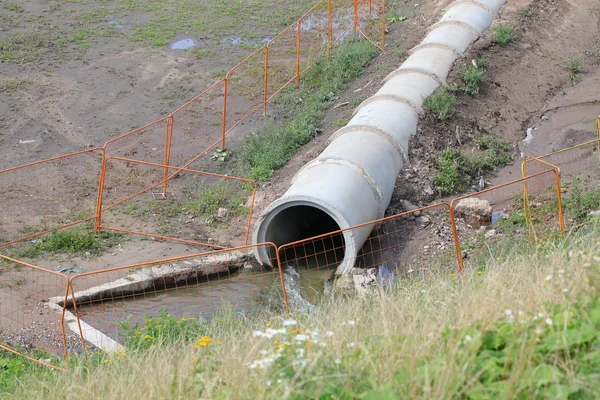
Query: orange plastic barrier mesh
(196, 207)
(30, 316)
(371, 21)
(403, 243)
(312, 30)
(39, 197)
(188, 287)
(510, 212)
(197, 125)
(148, 143)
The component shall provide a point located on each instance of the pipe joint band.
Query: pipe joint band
(356, 168)
(393, 97)
(378, 131)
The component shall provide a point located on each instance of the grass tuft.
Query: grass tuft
(504, 34)
(442, 102)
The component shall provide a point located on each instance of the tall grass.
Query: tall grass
(525, 327)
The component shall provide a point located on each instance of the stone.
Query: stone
(594, 213)
(222, 213)
(423, 220)
(491, 233)
(407, 205)
(474, 209)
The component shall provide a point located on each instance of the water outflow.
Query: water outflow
(352, 180)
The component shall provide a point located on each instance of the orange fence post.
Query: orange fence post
(168, 142)
(457, 247)
(266, 86)
(355, 17)
(298, 54)
(224, 116)
(330, 28)
(98, 220)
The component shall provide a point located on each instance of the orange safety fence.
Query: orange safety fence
(372, 21)
(504, 206)
(198, 207)
(190, 289)
(29, 319)
(579, 160)
(344, 19)
(313, 32)
(402, 243)
(43, 196)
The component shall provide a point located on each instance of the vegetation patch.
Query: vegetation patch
(12, 84)
(504, 34)
(456, 172)
(23, 47)
(264, 152)
(72, 240)
(471, 76)
(442, 102)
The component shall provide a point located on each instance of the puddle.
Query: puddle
(183, 44)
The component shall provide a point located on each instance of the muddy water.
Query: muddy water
(245, 292)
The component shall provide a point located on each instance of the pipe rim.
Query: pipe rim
(283, 203)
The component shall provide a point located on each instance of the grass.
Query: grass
(504, 34)
(13, 7)
(471, 77)
(575, 66)
(579, 202)
(525, 12)
(264, 152)
(23, 47)
(12, 84)
(73, 240)
(442, 102)
(456, 172)
(522, 326)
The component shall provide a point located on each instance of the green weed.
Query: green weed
(12, 84)
(525, 12)
(442, 102)
(23, 47)
(340, 122)
(504, 34)
(13, 7)
(395, 17)
(471, 77)
(580, 202)
(455, 172)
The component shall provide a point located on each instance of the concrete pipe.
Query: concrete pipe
(351, 182)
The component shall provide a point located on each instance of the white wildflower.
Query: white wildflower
(290, 322)
(300, 338)
(468, 339)
(548, 321)
(548, 278)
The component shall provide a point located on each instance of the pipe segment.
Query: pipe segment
(352, 181)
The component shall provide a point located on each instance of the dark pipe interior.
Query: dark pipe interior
(303, 222)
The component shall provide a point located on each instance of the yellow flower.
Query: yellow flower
(183, 319)
(219, 343)
(149, 320)
(268, 324)
(203, 344)
(206, 339)
(106, 361)
(192, 319)
(121, 352)
(276, 342)
(143, 328)
(452, 275)
(196, 346)
(295, 331)
(479, 272)
(148, 337)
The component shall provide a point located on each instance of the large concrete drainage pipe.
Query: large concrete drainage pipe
(352, 180)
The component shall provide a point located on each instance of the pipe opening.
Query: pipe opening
(302, 222)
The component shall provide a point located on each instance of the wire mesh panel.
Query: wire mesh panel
(49, 194)
(401, 245)
(582, 160)
(282, 60)
(245, 89)
(503, 212)
(371, 21)
(342, 20)
(197, 207)
(313, 33)
(112, 308)
(30, 314)
(197, 125)
(148, 143)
